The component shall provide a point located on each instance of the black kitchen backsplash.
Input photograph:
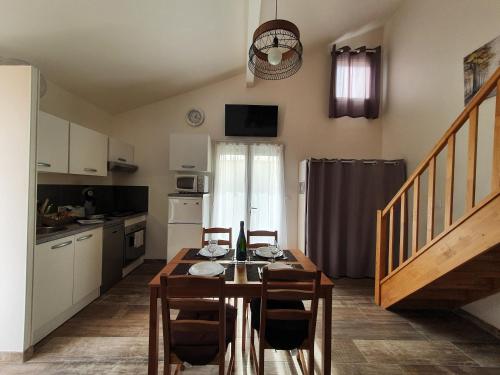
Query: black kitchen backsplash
(108, 199)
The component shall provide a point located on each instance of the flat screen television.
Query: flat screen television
(251, 120)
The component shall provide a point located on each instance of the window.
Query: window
(249, 186)
(355, 81)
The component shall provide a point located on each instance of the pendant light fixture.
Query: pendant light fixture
(276, 51)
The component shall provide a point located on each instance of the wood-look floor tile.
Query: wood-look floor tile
(484, 354)
(413, 352)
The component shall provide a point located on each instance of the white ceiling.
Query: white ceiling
(121, 54)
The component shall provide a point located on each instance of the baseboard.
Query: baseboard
(494, 331)
(48, 327)
(16, 357)
(132, 266)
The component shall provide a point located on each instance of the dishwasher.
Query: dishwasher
(112, 254)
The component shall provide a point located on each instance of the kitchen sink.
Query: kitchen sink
(47, 230)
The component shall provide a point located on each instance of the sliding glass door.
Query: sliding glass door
(249, 186)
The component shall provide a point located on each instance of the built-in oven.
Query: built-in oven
(135, 240)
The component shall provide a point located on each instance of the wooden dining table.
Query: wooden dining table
(242, 285)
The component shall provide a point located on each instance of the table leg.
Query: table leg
(327, 333)
(153, 332)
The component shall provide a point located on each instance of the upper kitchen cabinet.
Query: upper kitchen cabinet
(88, 151)
(52, 144)
(190, 152)
(120, 152)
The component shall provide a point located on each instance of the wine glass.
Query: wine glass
(275, 250)
(212, 247)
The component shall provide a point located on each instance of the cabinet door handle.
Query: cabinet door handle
(83, 238)
(90, 169)
(63, 244)
(122, 159)
(187, 166)
(43, 164)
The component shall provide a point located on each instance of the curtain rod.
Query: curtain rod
(248, 142)
(391, 162)
(357, 50)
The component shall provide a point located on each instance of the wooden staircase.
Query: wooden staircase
(462, 263)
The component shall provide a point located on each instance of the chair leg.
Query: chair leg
(261, 358)
(302, 362)
(253, 354)
(244, 324)
(311, 360)
(178, 369)
(230, 369)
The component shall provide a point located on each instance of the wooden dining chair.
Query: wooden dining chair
(216, 230)
(204, 326)
(280, 317)
(256, 245)
(260, 233)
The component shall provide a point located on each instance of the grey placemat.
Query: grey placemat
(183, 268)
(253, 272)
(192, 254)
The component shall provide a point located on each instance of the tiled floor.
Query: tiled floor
(111, 337)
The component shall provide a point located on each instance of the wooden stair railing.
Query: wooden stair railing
(386, 219)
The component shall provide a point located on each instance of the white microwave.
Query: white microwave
(191, 183)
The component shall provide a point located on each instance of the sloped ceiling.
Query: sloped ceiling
(121, 54)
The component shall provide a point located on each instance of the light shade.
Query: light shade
(262, 55)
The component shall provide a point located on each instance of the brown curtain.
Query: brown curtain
(341, 203)
(355, 82)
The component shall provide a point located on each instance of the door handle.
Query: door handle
(90, 170)
(43, 164)
(187, 166)
(253, 208)
(83, 238)
(63, 244)
(122, 159)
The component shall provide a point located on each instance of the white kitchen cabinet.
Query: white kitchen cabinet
(120, 152)
(190, 152)
(88, 151)
(52, 280)
(88, 263)
(52, 144)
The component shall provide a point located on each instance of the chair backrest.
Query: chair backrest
(260, 233)
(290, 285)
(190, 293)
(228, 242)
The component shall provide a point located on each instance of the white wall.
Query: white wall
(68, 106)
(304, 129)
(17, 187)
(425, 43)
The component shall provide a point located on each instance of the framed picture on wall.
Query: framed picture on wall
(479, 66)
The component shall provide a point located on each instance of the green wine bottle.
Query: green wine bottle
(241, 244)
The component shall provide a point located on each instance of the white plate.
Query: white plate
(265, 252)
(90, 221)
(206, 269)
(219, 252)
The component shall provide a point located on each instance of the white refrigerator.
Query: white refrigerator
(187, 215)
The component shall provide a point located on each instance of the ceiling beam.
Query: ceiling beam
(253, 22)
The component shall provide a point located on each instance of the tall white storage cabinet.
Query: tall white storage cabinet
(190, 152)
(88, 151)
(52, 144)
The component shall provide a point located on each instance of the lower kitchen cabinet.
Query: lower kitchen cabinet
(88, 263)
(67, 277)
(53, 280)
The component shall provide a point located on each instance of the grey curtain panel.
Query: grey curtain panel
(355, 82)
(341, 212)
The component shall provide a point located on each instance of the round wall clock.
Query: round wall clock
(195, 117)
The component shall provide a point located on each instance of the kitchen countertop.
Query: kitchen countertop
(75, 228)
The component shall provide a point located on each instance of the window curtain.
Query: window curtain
(249, 185)
(342, 202)
(267, 190)
(230, 186)
(355, 82)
